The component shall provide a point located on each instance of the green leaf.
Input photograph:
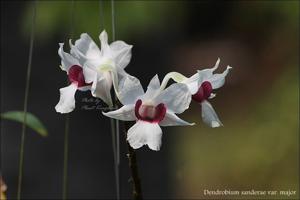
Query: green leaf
(31, 121)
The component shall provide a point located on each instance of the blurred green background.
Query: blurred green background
(258, 147)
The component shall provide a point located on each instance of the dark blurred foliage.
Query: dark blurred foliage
(258, 147)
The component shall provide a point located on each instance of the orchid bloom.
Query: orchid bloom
(102, 67)
(201, 86)
(74, 71)
(150, 110)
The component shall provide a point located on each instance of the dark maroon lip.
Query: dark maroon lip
(152, 114)
(76, 76)
(203, 92)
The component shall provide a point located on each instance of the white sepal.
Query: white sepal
(209, 115)
(130, 89)
(218, 80)
(67, 60)
(125, 113)
(153, 88)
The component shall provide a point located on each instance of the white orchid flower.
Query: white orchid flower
(74, 70)
(102, 67)
(201, 85)
(150, 110)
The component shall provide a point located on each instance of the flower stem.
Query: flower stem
(137, 188)
(22, 146)
(115, 125)
(67, 121)
(101, 14)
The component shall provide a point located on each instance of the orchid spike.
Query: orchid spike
(201, 86)
(150, 110)
(102, 67)
(74, 70)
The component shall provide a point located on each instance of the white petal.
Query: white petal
(87, 47)
(145, 133)
(101, 88)
(121, 52)
(125, 113)
(67, 60)
(152, 89)
(218, 80)
(66, 102)
(77, 53)
(173, 120)
(209, 115)
(130, 89)
(176, 97)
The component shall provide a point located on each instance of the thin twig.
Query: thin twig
(26, 102)
(137, 187)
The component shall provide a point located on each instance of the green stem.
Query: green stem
(21, 161)
(67, 119)
(116, 122)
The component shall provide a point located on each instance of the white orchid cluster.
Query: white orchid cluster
(98, 70)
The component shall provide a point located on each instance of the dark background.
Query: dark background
(256, 149)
